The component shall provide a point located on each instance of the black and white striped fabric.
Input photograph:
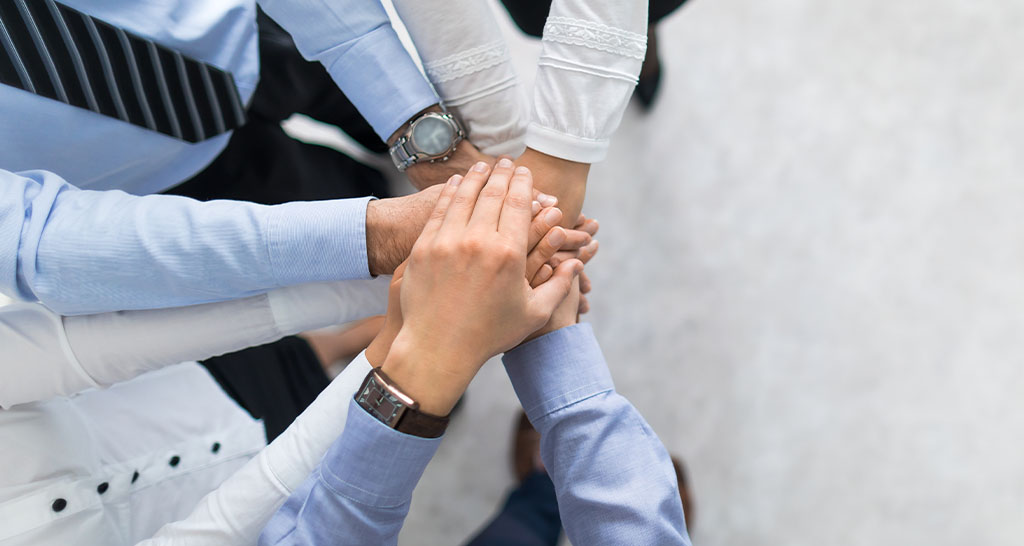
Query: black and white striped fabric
(57, 52)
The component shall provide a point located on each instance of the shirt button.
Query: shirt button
(174, 460)
(215, 447)
(135, 476)
(59, 505)
(102, 488)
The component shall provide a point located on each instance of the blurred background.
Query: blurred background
(810, 278)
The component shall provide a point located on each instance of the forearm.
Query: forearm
(625, 487)
(590, 59)
(468, 62)
(47, 355)
(565, 179)
(239, 509)
(84, 252)
(361, 491)
(355, 42)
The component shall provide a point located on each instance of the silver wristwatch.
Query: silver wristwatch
(430, 137)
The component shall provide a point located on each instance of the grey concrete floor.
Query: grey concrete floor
(809, 279)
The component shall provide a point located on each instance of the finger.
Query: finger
(544, 199)
(492, 197)
(547, 296)
(589, 251)
(563, 256)
(440, 208)
(584, 306)
(589, 225)
(576, 239)
(542, 224)
(542, 276)
(545, 249)
(464, 200)
(579, 221)
(535, 208)
(399, 272)
(585, 285)
(514, 222)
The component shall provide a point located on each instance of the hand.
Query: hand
(423, 175)
(392, 226)
(566, 180)
(464, 294)
(545, 219)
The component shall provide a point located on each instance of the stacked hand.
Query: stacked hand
(478, 281)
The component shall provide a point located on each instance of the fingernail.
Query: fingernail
(522, 170)
(480, 167)
(557, 237)
(455, 180)
(547, 200)
(505, 163)
(552, 217)
(536, 207)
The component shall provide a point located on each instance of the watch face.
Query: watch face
(432, 136)
(379, 402)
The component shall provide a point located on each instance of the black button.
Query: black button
(59, 505)
(215, 447)
(135, 476)
(174, 460)
(102, 488)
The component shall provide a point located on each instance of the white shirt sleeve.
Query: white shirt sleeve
(237, 511)
(468, 62)
(46, 355)
(590, 59)
(591, 56)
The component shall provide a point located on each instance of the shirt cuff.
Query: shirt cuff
(558, 144)
(313, 241)
(373, 464)
(391, 88)
(557, 370)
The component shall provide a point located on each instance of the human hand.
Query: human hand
(392, 226)
(423, 175)
(542, 230)
(464, 295)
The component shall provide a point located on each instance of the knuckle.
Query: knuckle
(519, 202)
(461, 200)
(492, 192)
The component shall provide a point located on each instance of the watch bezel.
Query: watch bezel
(406, 152)
(397, 399)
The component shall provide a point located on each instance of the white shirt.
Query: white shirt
(592, 52)
(48, 360)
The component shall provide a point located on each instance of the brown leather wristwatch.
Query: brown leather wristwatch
(381, 398)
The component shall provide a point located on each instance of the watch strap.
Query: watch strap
(402, 413)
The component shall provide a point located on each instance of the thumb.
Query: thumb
(548, 295)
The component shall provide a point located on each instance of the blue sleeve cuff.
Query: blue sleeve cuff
(557, 370)
(375, 465)
(382, 81)
(317, 241)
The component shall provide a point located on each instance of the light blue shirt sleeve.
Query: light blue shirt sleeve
(613, 477)
(79, 251)
(356, 43)
(360, 492)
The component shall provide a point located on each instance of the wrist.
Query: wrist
(381, 234)
(434, 377)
